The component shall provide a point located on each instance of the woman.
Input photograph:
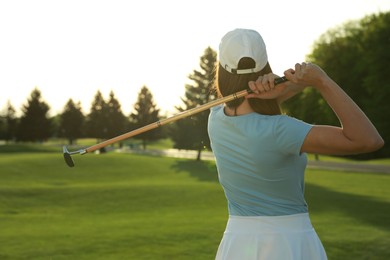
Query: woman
(261, 154)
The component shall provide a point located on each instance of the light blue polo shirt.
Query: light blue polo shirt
(259, 163)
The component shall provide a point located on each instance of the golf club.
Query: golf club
(190, 112)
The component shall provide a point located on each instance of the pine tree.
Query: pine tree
(34, 124)
(11, 122)
(146, 112)
(97, 118)
(191, 133)
(71, 121)
(116, 120)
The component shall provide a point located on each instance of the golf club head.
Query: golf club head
(67, 157)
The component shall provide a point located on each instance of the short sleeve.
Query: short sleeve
(290, 134)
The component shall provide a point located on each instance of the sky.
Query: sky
(73, 48)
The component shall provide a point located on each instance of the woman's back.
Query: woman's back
(259, 162)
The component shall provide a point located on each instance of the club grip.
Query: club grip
(280, 80)
(276, 82)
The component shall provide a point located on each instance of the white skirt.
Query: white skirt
(290, 237)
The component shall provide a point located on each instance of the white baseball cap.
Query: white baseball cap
(241, 43)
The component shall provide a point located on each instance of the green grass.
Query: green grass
(350, 212)
(327, 158)
(126, 206)
(161, 144)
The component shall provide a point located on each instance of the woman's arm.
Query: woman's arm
(356, 135)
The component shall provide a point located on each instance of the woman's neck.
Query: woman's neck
(242, 109)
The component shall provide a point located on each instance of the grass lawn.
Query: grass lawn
(126, 206)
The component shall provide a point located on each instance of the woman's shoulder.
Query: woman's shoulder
(284, 118)
(253, 116)
(216, 108)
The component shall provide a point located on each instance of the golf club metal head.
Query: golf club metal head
(67, 157)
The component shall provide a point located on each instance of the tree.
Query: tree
(8, 123)
(376, 35)
(97, 118)
(116, 120)
(71, 121)
(356, 55)
(11, 122)
(34, 123)
(191, 133)
(146, 112)
(310, 107)
(3, 127)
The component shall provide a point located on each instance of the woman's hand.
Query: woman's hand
(306, 74)
(265, 88)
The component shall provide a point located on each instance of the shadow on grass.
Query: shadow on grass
(347, 250)
(320, 199)
(29, 148)
(362, 208)
(200, 170)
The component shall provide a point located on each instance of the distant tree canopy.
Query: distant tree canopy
(191, 133)
(34, 124)
(116, 121)
(356, 55)
(71, 121)
(9, 124)
(145, 113)
(105, 119)
(97, 118)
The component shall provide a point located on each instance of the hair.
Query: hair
(227, 83)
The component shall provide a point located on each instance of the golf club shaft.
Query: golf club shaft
(168, 120)
(176, 117)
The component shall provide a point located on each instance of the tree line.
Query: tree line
(106, 119)
(356, 55)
